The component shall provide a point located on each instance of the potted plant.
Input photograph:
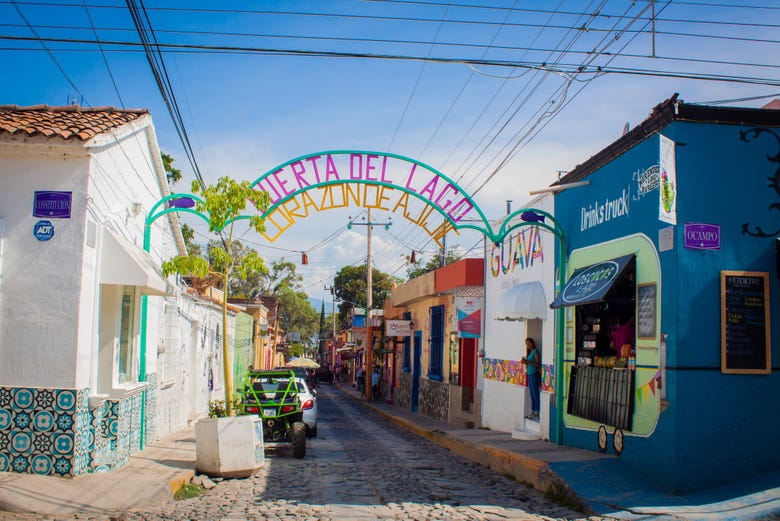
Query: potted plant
(227, 445)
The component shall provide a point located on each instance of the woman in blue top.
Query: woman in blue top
(534, 371)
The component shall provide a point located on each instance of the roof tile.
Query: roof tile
(70, 122)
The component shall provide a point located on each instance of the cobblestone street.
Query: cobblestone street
(359, 467)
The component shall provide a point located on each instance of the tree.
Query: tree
(223, 203)
(282, 275)
(297, 313)
(193, 248)
(245, 287)
(415, 269)
(173, 174)
(350, 288)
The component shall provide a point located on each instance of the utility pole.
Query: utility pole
(332, 290)
(368, 356)
(321, 335)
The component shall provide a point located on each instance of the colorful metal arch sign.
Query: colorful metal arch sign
(380, 181)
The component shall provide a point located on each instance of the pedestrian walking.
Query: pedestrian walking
(375, 383)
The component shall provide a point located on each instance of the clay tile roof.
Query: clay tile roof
(69, 122)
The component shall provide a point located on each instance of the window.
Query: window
(126, 330)
(407, 367)
(437, 343)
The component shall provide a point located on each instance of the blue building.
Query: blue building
(672, 296)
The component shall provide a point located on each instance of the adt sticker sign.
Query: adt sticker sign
(43, 230)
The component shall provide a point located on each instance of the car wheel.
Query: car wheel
(299, 440)
(312, 433)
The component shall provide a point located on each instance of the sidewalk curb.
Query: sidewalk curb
(525, 469)
(177, 482)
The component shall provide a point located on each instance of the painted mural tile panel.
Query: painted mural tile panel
(22, 419)
(42, 464)
(64, 421)
(5, 397)
(53, 431)
(43, 419)
(62, 467)
(43, 443)
(21, 442)
(44, 399)
(63, 444)
(6, 419)
(65, 399)
(5, 442)
(19, 463)
(23, 398)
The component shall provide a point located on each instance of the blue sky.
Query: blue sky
(246, 112)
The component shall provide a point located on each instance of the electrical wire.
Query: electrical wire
(365, 17)
(473, 68)
(527, 10)
(156, 61)
(416, 84)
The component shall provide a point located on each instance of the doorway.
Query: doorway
(468, 373)
(416, 370)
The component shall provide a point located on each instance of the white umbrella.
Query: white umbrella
(303, 362)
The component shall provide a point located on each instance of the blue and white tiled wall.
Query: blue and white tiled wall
(53, 431)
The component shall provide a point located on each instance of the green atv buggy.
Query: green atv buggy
(273, 395)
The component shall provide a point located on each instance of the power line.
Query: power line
(526, 10)
(363, 17)
(416, 84)
(154, 56)
(405, 42)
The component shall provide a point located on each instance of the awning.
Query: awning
(125, 264)
(522, 302)
(592, 283)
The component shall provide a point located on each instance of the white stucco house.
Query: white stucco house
(85, 379)
(519, 286)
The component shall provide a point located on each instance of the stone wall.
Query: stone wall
(403, 395)
(434, 399)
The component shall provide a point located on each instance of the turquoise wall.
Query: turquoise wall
(717, 427)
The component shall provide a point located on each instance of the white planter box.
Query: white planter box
(229, 447)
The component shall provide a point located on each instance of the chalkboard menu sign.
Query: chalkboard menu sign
(745, 340)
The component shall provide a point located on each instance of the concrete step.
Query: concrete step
(527, 430)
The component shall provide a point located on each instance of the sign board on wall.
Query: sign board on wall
(398, 328)
(43, 230)
(667, 204)
(469, 311)
(52, 204)
(700, 236)
(745, 337)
